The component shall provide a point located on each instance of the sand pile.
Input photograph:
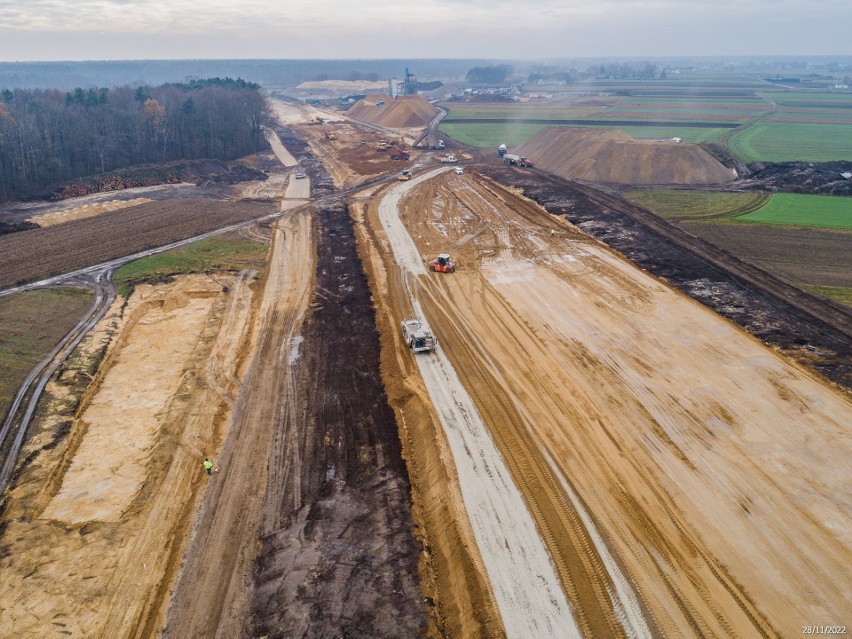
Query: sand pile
(404, 112)
(613, 156)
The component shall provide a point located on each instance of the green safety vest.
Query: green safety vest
(208, 464)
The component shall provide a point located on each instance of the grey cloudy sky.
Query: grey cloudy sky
(157, 29)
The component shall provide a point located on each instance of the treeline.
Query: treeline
(50, 137)
(492, 74)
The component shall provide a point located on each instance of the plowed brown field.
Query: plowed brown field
(38, 253)
(687, 480)
(613, 156)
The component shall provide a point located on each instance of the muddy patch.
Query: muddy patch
(338, 554)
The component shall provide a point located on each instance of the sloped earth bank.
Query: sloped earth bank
(687, 480)
(813, 331)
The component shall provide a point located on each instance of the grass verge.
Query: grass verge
(211, 254)
(31, 324)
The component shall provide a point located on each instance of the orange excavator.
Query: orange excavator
(442, 264)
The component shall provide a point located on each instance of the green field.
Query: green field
(779, 209)
(212, 254)
(485, 135)
(820, 129)
(814, 211)
(704, 206)
(836, 293)
(517, 111)
(788, 142)
(31, 324)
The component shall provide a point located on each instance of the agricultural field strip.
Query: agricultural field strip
(113, 264)
(44, 370)
(785, 141)
(701, 124)
(526, 588)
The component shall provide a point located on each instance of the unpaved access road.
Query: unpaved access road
(210, 597)
(525, 585)
(687, 480)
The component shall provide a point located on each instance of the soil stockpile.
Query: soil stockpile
(613, 156)
(406, 111)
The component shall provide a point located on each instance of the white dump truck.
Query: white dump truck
(417, 337)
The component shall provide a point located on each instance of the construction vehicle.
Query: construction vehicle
(404, 178)
(522, 161)
(440, 144)
(442, 264)
(400, 155)
(330, 136)
(459, 170)
(501, 150)
(406, 172)
(450, 159)
(417, 337)
(509, 158)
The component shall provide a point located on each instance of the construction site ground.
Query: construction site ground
(589, 453)
(688, 481)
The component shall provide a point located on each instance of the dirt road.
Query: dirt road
(687, 480)
(525, 585)
(284, 156)
(210, 597)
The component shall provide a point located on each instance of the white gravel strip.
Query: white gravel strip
(526, 588)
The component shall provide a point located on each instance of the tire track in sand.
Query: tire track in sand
(527, 590)
(210, 596)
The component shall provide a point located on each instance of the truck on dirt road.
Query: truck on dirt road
(400, 155)
(501, 150)
(450, 159)
(417, 337)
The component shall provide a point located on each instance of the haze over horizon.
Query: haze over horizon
(46, 30)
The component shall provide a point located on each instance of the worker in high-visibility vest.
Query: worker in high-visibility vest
(208, 466)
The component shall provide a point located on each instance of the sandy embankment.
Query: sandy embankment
(104, 515)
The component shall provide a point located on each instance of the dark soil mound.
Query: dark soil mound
(824, 178)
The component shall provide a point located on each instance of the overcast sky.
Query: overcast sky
(536, 29)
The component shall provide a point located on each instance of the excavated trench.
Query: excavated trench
(338, 556)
